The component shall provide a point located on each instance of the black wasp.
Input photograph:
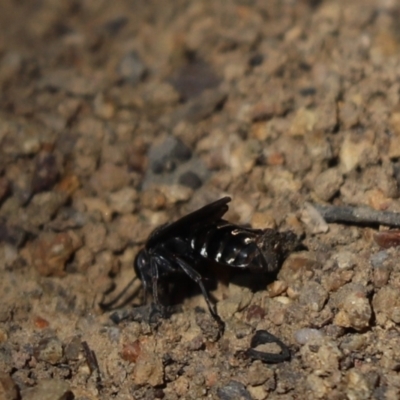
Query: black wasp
(203, 237)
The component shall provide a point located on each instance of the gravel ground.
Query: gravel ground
(116, 117)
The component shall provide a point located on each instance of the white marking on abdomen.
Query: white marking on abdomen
(203, 250)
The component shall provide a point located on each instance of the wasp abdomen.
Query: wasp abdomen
(225, 243)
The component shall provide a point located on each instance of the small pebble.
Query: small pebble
(192, 79)
(353, 343)
(200, 107)
(190, 179)
(3, 332)
(316, 385)
(313, 220)
(207, 325)
(263, 220)
(83, 259)
(283, 300)
(95, 204)
(323, 358)
(357, 386)
(338, 278)
(298, 268)
(50, 252)
(49, 350)
(353, 151)
(5, 188)
(305, 335)
(255, 312)
(68, 185)
(94, 236)
(258, 373)
(46, 172)
(349, 114)
(153, 199)
(14, 235)
(109, 178)
(148, 368)
(387, 239)
(281, 181)
(165, 156)
(313, 295)
(70, 81)
(40, 323)
(131, 68)
(123, 201)
(303, 122)
(239, 298)
(345, 259)
(8, 388)
(8, 254)
(258, 392)
(354, 307)
(73, 349)
(131, 351)
(380, 276)
(276, 288)
(44, 206)
(52, 389)
(103, 108)
(386, 305)
(175, 193)
(233, 391)
(328, 183)
(243, 156)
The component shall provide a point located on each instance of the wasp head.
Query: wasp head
(276, 246)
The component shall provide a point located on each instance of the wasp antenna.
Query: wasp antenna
(107, 306)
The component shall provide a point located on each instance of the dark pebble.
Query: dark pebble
(5, 188)
(68, 218)
(49, 350)
(165, 156)
(308, 91)
(114, 26)
(131, 68)
(233, 390)
(387, 239)
(8, 388)
(46, 172)
(192, 79)
(378, 259)
(190, 179)
(255, 60)
(72, 349)
(12, 234)
(200, 107)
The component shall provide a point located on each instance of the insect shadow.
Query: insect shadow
(193, 243)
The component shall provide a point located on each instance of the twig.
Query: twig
(91, 359)
(358, 215)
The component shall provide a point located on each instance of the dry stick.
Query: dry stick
(91, 359)
(358, 215)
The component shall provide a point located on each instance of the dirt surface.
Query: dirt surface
(116, 117)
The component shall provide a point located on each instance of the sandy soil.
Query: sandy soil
(117, 117)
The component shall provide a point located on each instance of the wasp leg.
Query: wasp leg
(145, 281)
(193, 274)
(154, 278)
(145, 285)
(157, 308)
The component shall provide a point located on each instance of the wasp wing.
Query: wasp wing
(205, 215)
